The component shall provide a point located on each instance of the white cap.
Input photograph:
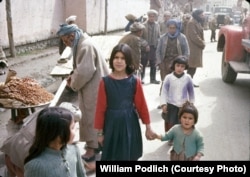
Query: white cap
(71, 18)
(75, 110)
(152, 11)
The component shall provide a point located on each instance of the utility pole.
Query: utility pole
(10, 31)
(106, 17)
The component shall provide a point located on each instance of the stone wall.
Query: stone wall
(26, 48)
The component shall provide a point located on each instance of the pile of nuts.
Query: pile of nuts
(26, 91)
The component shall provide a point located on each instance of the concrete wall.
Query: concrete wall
(36, 20)
(117, 9)
(91, 13)
(32, 20)
(78, 8)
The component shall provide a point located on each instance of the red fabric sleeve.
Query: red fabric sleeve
(101, 106)
(140, 103)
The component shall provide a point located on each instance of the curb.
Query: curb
(33, 55)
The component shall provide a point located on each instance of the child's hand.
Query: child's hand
(197, 157)
(158, 136)
(154, 136)
(164, 108)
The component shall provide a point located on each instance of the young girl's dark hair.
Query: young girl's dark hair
(180, 60)
(189, 108)
(126, 50)
(52, 122)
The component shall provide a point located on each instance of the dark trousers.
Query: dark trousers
(172, 117)
(213, 35)
(191, 71)
(165, 69)
(151, 58)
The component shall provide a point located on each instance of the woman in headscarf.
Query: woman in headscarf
(195, 37)
(171, 44)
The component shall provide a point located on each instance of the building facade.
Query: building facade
(35, 20)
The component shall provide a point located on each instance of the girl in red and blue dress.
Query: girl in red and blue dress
(120, 105)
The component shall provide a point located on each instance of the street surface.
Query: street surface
(224, 110)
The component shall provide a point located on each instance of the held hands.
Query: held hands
(150, 134)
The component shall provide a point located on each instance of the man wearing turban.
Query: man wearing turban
(70, 20)
(89, 67)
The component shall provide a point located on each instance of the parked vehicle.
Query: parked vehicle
(234, 42)
(221, 13)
